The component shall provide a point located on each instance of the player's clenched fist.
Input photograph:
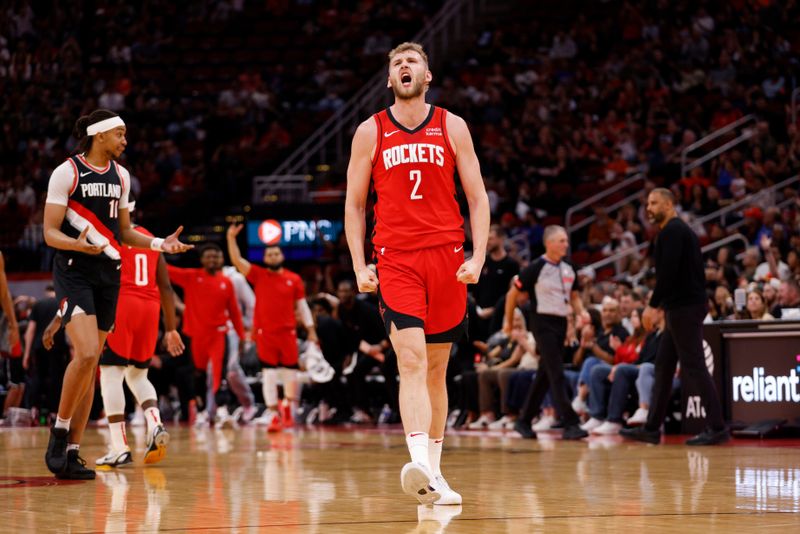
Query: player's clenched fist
(367, 280)
(469, 272)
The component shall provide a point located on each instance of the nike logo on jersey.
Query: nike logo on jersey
(85, 173)
(389, 134)
(458, 249)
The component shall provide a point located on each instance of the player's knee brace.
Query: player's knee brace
(139, 385)
(111, 377)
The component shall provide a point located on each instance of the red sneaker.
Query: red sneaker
(275, 424)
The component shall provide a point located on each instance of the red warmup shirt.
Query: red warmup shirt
(210, 301)
(138, 272)
(276, 294)
(413, 173)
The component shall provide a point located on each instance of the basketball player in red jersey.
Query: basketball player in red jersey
(86, 219)
(210, 302)
(280, 296)
(144, 289)
(410, 153)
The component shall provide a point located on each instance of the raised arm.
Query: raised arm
(469, 170)
(359, 174)
(241, 264)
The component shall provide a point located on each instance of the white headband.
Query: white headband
(104, 125)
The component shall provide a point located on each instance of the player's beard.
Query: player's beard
(410, 93)
(274, 266)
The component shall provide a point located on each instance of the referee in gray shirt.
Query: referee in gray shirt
(554, 292)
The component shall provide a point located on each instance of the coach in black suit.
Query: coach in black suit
(680, 291)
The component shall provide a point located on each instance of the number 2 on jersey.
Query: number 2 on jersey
(415, 175)
(140, 276)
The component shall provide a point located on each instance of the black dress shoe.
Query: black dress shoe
(640, 433)
(574, 432)
(524, 429)
(710, 437)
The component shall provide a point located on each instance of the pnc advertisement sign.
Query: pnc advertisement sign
(293, 233)
(300, 239)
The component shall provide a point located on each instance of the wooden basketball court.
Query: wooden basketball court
(347, 480)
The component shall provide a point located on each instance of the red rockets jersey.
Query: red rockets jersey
(413, 173)
(138, 272)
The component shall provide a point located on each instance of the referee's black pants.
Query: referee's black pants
(550, 331)
(682, 341)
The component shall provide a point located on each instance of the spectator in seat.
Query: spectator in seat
(610, 386)
(593, 352)
(788, 301)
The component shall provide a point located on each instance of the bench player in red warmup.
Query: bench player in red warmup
(210, 302)
(280, 297)
(410, 152)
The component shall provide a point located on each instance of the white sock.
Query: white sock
(62, 423)
(435, 455)
(73, 446)
(119, 441)
(153, 418)
(418, 448)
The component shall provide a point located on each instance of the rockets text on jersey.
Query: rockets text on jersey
(413, 175)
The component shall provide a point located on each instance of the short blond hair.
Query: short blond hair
(408, 46)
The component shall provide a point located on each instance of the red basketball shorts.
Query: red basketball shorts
(418, 288)
(209, 346)
(133, 340)
(277, 349)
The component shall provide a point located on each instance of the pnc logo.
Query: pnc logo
(270, 232)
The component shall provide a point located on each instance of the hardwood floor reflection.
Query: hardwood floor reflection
(348, 481)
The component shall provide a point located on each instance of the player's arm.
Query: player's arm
(359, 174)
(469, 170)
(8, 305)
(30, 331)
(511, 303)
(171, 244)
(241, 264)
(172, 339)
(301, 308)
(235, 313)
(179, 275)
(50, 331)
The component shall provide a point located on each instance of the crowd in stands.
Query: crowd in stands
(213, 92)
(559, 109)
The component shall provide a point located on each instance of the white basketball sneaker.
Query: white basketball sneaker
(417, 481)
(115, 459)
(449, 497)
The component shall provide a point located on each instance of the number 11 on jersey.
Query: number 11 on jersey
(415, 175)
